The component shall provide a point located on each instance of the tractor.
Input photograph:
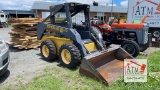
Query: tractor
(132, 37)
(76, 45)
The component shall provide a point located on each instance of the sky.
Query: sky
(27, 4)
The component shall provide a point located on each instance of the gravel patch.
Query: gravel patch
(149, 51)
(24, 65)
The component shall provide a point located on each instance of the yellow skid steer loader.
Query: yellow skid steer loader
(79, 44)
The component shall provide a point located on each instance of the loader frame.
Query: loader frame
(75, 44)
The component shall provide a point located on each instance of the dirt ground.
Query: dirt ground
(27, 64)
(24, 65)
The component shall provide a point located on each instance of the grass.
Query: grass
(153, 61)
(58, 78)
(49, 82)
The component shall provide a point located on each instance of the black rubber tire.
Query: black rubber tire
(143, 47)
(52, 50)
(158, 33)
(75, 56)
(134, 45)
(3, 24)
(108, 44)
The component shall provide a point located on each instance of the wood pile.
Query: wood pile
(24, 33)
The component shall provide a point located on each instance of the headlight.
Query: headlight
(3, 46)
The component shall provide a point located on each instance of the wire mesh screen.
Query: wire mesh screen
(78, 18)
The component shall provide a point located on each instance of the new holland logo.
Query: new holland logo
(135, 70)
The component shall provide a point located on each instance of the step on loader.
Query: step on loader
(78, 44)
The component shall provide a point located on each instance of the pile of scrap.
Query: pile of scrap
(156, 42)
(24, 33)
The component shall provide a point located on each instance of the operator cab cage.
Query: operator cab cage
(65, 15)
(70, 9)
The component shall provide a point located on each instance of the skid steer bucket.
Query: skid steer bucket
(105, 66)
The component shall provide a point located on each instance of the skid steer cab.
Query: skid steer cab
(76, 44)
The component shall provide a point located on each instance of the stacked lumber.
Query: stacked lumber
(24, 20)
(24, 33)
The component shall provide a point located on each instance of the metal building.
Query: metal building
(19, 13)
(41, 9)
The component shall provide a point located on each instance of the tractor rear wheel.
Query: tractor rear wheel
(48, 50)
(69, 56)
(131, 47)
